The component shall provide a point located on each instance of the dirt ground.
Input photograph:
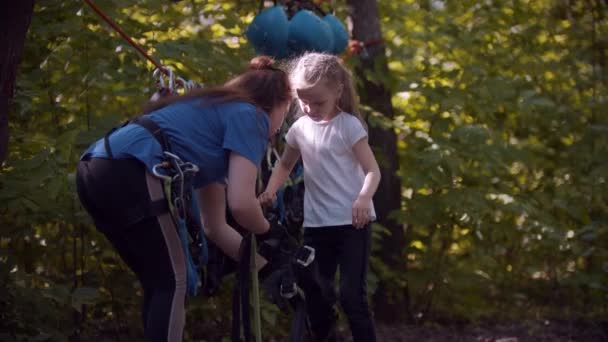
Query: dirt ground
(515, 332)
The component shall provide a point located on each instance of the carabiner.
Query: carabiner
(305, 255)
(160, 175)
(192, 85)
(174, 157)
(161, 80)
(288, 290)
(171, 84)
(185, 84)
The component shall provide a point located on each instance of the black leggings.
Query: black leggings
(116, 193)
(347, 248)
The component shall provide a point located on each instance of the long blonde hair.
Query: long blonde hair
(313, 67)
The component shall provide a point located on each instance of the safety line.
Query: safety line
(124, 35)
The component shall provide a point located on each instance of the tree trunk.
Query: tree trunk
(366, 28)
(15, 19)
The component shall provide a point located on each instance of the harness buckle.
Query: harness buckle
(305, 255)
(180, 207)
(288, 290)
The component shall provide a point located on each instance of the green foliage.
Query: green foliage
(78, 79)
(500, 106)
(502, 125)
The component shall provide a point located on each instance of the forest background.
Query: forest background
(489, 119)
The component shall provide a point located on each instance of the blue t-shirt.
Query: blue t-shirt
(201, 134)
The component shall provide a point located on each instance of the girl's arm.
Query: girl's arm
(279, 174)
(362, 205)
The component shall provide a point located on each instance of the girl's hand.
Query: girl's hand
(361, 212)
(267, 198)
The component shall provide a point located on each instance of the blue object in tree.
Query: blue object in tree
(268, 32)
(308, 32)
(339, 32)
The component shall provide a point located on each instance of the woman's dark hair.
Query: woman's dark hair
(262, 85)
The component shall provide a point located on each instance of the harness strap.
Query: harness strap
(146, 123)
(298, 323)
(155, 130)
(106, 143)
(240, 294)
(143, 211)
(106, 139)
(139, 211)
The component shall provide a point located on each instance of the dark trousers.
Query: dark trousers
(347, 248)
(115, 193)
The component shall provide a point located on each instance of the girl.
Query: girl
(222, 130)
(340, 176)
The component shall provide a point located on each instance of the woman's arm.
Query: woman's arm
(362, 205)
(279, 174)
(242, 200)
(212, 205)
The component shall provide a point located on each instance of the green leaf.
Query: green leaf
(84, 295)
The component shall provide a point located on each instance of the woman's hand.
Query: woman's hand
(267, 198)
(362, 209)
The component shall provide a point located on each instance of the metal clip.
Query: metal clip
(289, 290)
(171, 84)
(156, 172)
(364, 54)
(305, 256)
(158, 74)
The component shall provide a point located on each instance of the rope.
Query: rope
(357, 47)
(255, 292)
(126, 37)
(240, 293)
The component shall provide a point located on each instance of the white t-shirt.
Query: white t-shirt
(333, 177)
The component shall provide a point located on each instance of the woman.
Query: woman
(222, 130)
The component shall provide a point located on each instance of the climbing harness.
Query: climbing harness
(177, 177)
(290, 262)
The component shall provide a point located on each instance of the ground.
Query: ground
(549, 331)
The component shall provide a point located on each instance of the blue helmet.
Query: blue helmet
(339, 32)
(268, 32)
(307, 32)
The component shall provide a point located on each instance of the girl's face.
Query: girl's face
(320, 101)
(277, 116)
